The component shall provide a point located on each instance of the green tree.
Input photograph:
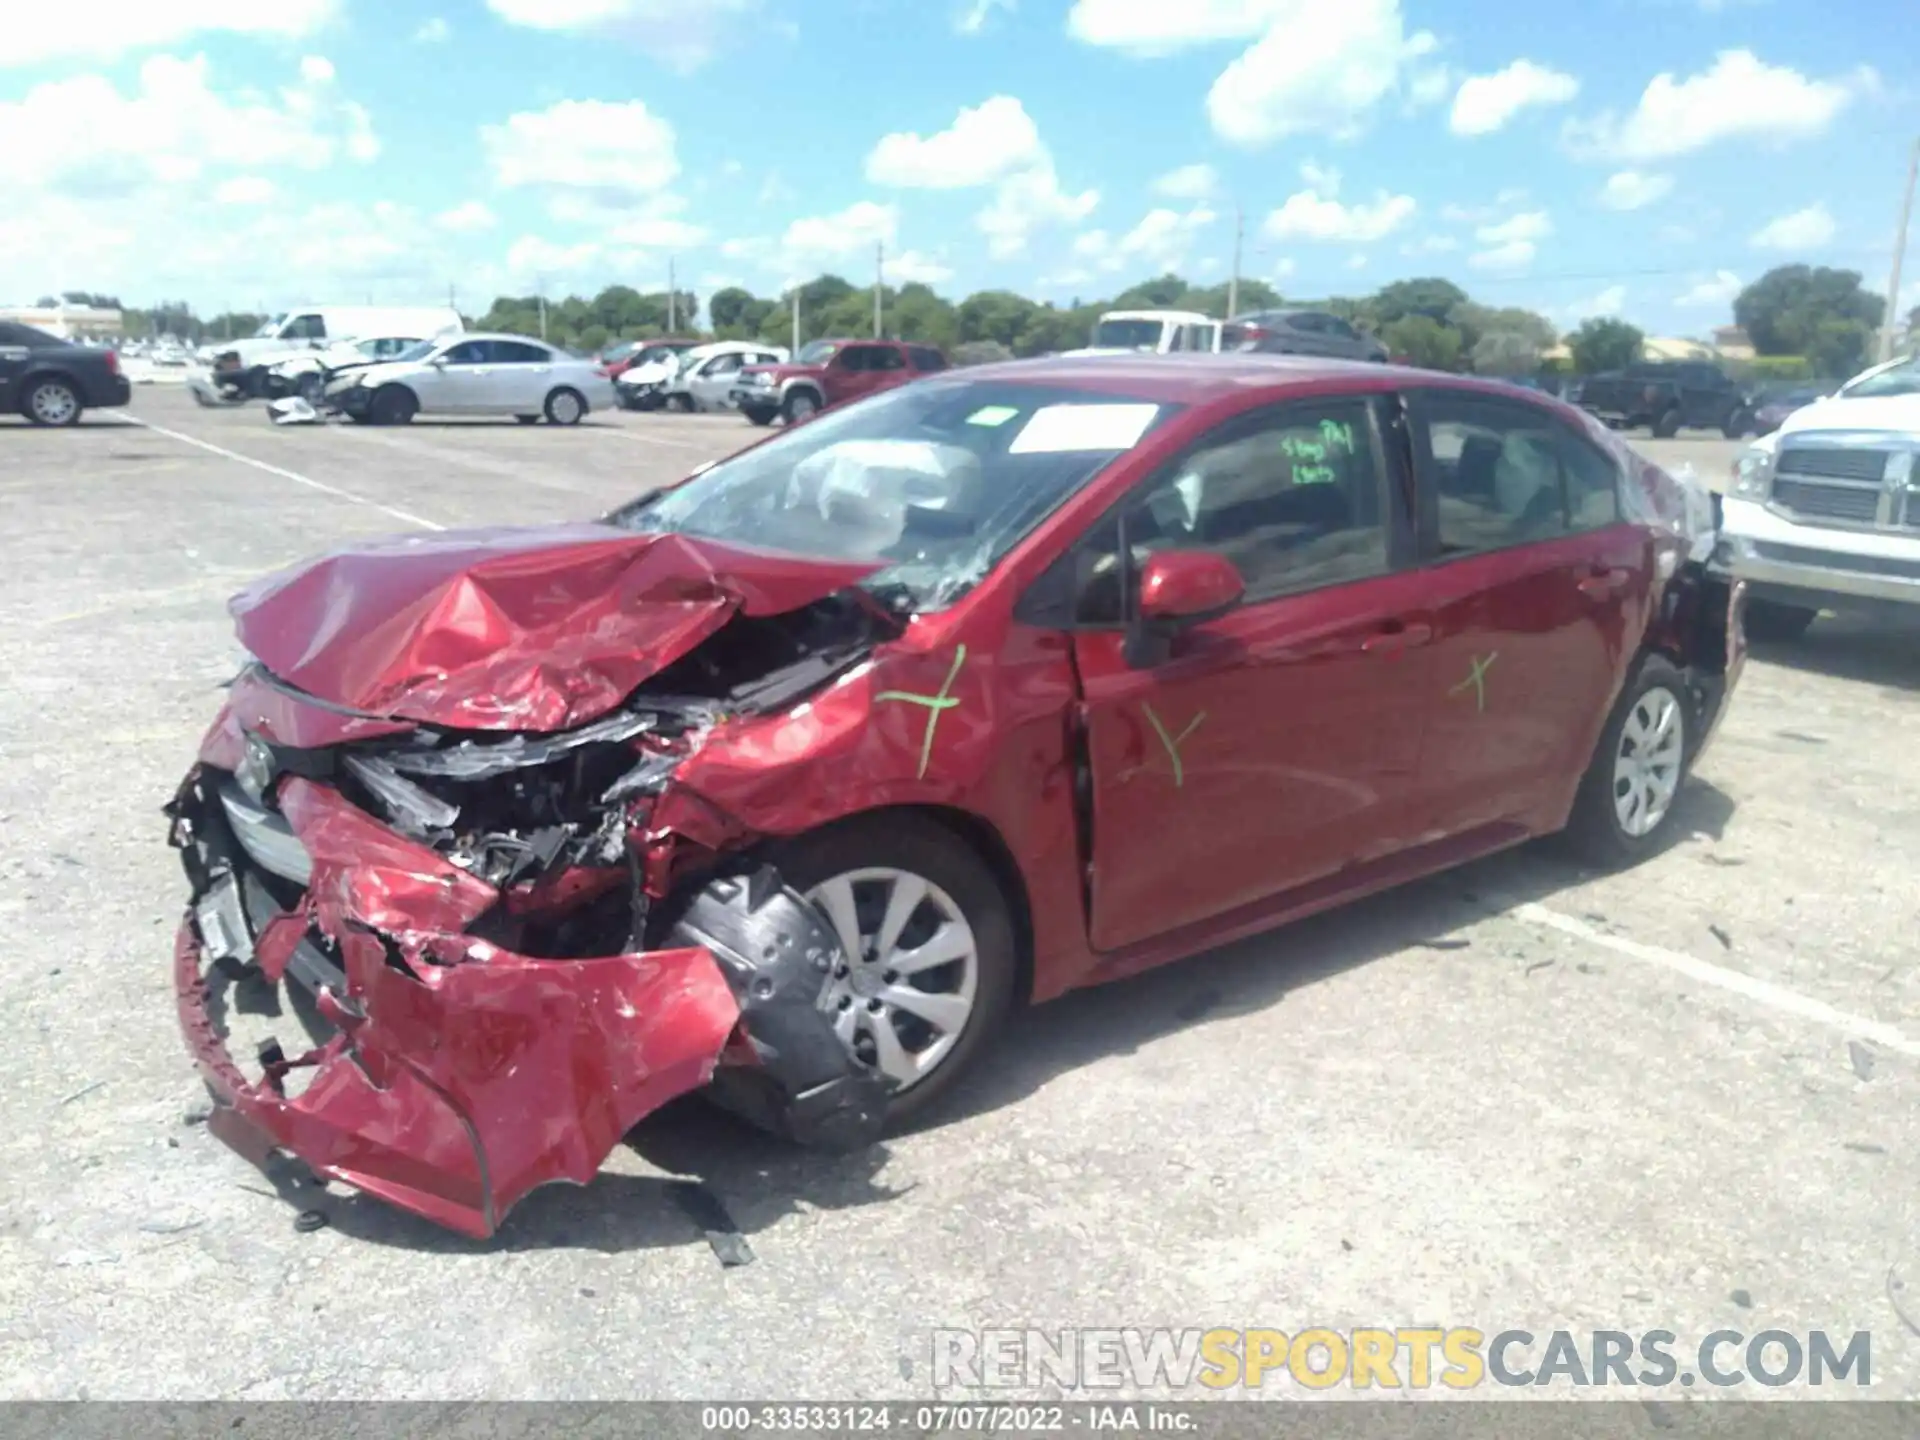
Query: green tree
(1430, 296)
(918, 314)
(996, 315)
(1782, 310)
(1160, 293)
(1474, 321)
(1423, 341)
(1838, 348)
(1505, 352)
(1604, 343)
(732, 309)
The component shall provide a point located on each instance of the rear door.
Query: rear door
(522, 377)
(16, 349)
(1538, 591)
(1280, 743)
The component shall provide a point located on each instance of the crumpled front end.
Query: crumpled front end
(471, 931)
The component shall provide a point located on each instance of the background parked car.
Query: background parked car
(52, 381)
(309, 375)
(631, 354)
(826, 372)
(707, 375)
(1301, 332)
(475, 375)
(1668, 396)
(1773, 409)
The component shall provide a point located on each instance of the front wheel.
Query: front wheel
(393, 405)
(757, 414)
(800, 405)
(680, 403)
(1667, 425)
(310, 387)
(928, 964)
(1625, 804)
(1739, 425)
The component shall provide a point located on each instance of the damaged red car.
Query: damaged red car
(792, 780)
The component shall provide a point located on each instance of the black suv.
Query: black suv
(51, 381)
(1668, 396)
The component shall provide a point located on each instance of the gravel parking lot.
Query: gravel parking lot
(1517, 1096)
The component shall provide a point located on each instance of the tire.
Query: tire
(680, 404)
(960, 880)
(758, 414)
(1598, 830)
(566, 407)
(1771, 623)
(1666, 425)
(800, 405)
(1738, 425)
(393, 405)
(311, 387)
(53, 402)
(257, 383)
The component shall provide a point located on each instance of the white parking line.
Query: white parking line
(325, 489)
(641, 438)
(1776, 997)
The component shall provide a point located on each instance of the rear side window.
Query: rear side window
(1502, 475)
(925, 358)
(885, 357)
(515, 352)
(305, 327)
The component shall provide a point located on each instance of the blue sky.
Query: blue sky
(1640, 157)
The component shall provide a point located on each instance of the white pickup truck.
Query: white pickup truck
(1824, 514)
(1152, 332)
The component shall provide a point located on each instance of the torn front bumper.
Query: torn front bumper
(452, 1076)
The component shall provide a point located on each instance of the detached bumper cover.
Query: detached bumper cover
(463, 1075)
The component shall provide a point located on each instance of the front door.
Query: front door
(1538, 593)
(715, 379)
(1279, 743)
(461, 384)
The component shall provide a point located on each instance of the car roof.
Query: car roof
(454, 337)
(1184, 317)
(1198, 378)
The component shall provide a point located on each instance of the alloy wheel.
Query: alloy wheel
(909, 972)
(54, 404)
(1646, 766)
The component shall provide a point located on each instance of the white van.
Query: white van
(243, 364)
(1153, 332)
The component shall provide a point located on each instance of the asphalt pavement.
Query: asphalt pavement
(1515, 1096)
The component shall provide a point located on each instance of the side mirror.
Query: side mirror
(439, 362)
(1178, 590)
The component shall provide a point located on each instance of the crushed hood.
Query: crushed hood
(511, 629)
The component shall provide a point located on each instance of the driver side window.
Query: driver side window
(1294, 497)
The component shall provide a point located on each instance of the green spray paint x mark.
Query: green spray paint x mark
(1478, 680)
(1172, 743)
(936, 705)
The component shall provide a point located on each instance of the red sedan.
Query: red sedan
(792, 780)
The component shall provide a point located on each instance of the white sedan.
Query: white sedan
(472, 374)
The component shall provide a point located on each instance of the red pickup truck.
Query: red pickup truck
(828, 372)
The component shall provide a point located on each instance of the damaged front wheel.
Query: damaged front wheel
(928, 963)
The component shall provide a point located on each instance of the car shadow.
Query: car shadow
(1879, 649)
(725, 1181)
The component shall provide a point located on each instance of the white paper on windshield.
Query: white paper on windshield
(1062, 429)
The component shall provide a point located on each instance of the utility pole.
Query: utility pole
(1233, 281)
(673, 302)
(1899, 254)
(879, 280)
(540, 283)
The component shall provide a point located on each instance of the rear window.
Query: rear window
(32, 339)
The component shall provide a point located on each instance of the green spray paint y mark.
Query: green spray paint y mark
(1478, 680)
(936, 704)
(1172, 743)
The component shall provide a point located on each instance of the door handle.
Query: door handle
(1397, 635)
(1602, 582)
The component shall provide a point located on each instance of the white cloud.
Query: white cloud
(973, 16)
(1607, 304)
(584, 154)
(1307, 215)
(657, 232)
(1189, 182)
(1321, 179)
(1634, 190)
(1159, 242)
(1317, 68)
(1485, 103)
(1430, 245)
(1806, 229)
(985, 142)
(849, 234)
(245, 190)
(1512, 242)
(1282, 269)
(1030, 200)
(911, 267)
(680, 34)
(172, 128)
(466, 218)
(537, 259)
(1429, 86)
(432, 32)
(1717, 293)
(1356, 262)
(1738, 97)
(1312, 66)
(102, 29)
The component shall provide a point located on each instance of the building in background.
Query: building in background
(69, 322)
(1732, 343)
